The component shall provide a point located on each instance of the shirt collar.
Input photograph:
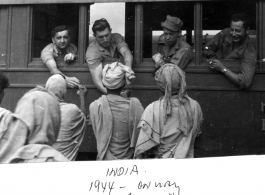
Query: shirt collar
(56, 50)
(241, 48)
(175, 47)
(113, 47)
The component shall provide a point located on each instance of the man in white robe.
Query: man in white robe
(169, 126)
(73, 119)
(114, 118)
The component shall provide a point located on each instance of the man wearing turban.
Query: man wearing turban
(32, 130)
(5, 115)
(114, 118)
(176, 50)
(73, 119)
(169, 126)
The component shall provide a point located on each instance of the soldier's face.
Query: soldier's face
(237, 31)
(103, 37)
(61, 39)
(171, 37)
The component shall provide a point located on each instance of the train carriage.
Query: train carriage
(234, 119)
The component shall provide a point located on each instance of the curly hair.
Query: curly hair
(4, 83)
(100, 25)
(61, 28)
(241, 17)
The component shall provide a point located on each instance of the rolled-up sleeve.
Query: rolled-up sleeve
(93, 57)
(248, 68)
(119, 41)
(47, 54)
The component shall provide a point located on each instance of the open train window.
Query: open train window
(46, 18)
(155, 13)
(107, 10)
(158, 41)
(114, 13)
(216, 17)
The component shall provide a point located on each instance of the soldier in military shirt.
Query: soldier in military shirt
(233, 43)
(60, 48)
(176, 50)
(106, 45)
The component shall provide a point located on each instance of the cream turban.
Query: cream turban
(56, 84)
(171, 79)
(115, 75)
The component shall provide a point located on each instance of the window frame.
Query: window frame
(139, 61)
(198, 38)
(83, 39)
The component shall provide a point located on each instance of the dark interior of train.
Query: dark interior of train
(216, 16)
(47, 17)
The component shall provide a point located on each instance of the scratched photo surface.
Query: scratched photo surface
(231, 100)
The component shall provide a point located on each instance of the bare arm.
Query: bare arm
(243, 79)
(71, 81)
(218, 66)
(127, 55)
(232, 76)
(82, 93)
(96, 75)
(51, 65)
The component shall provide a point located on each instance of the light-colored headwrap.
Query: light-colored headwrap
(56, 84)
(170, 79)
(34, 128)
(73, 121)
(115, 75)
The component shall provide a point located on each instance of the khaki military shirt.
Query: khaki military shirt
(221, 47)
(180, 54)
(51, 52)
(95, 54)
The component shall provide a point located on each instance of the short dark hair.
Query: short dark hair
(241, 17)
(61, 28)
(100, 25)
(4, 83)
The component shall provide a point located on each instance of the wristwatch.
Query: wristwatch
(224, 70)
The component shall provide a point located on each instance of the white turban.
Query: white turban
(56, 84)
(171, 79)
(115, 75)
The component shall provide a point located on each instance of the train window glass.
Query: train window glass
(107, 10)
(46, 18)
(214, 20)
(155, 13)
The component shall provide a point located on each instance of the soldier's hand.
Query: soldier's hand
(215, 64)
(72, 82)
(157, 57)
(69, 57)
